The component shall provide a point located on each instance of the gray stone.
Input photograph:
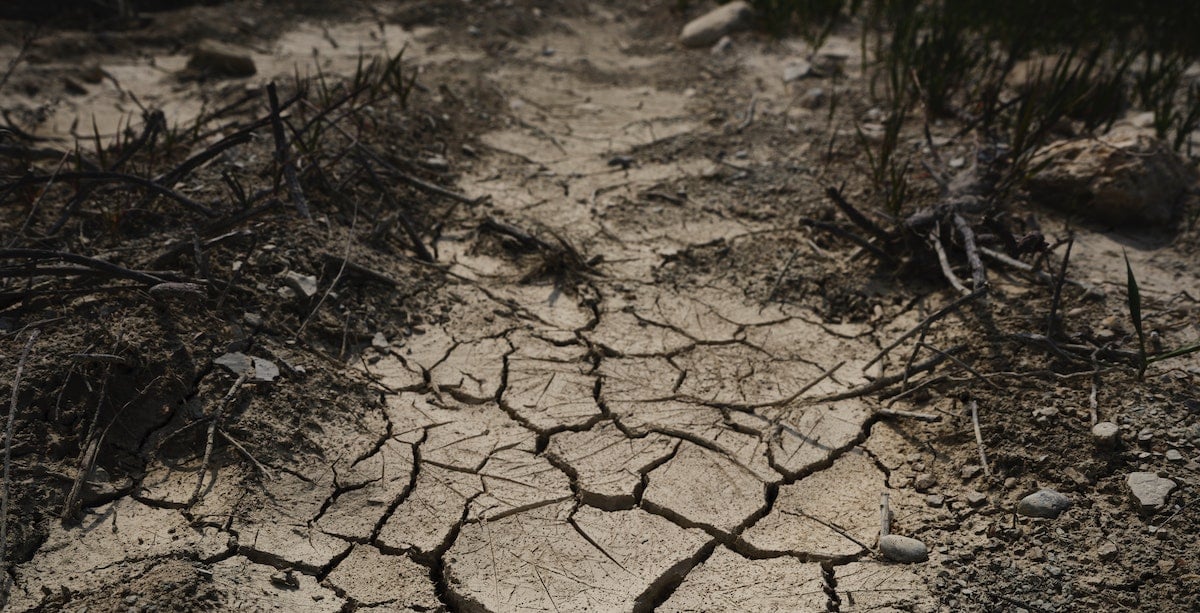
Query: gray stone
(976, 498)
(257, 370)
(902, 549)
(1149, 491)
(1106, 435)
(710, 27)
(1127, 176)
(935, 500)
(796, 69)
(1046, 504)
(1107, 552)
(304, 285)
(1173, 455)
(970, 471)
(924, 481)
(221, 60)
(814, 98)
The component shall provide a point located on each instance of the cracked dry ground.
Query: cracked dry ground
(651, 438)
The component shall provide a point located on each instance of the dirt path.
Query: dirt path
(654, 436)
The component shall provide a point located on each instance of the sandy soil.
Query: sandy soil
(622, 384)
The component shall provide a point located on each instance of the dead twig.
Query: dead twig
(117, 177)
(944, 261)
(398, 212)
(883, 382)
(90, 263)
(856, 239)
(940, 313)
(926, 417)
(214, 424)
(835, 194)
(8, 436)
(885, 516)
(983, 460)
(978, 272)
(286, 163)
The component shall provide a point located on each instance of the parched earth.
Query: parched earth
(666, 412)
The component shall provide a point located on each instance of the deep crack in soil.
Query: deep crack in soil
(624, 399)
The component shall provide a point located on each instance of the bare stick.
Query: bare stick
(1040, 275)
(856, 239)
(978, 272)
(782, 273)
(885, 516)
(857, 217)
(406, 223)
(8, 435)
(926, 417)
(101, 265)
(120, 177)
(983, 460)
(883, 382)
(945, 262)
(213, 425)
(964, 365)
(940, 313)
(281, 155)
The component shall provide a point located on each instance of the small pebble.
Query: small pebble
(1107, 552)
(924, 481)
(970, 471)
(1145, 436)
(935, 500)
(976, 498)
(1106, 435)
(1047, 504)
(1173, 455)
(902, 549)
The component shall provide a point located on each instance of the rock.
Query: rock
(379, 341)
(221, 60)
(304, 285)
(1107, 552)
(1047, 504)
(1106, 435)
(814, 98)
(796, 69)
(1173, 455)
(924, 481)
(1127, 176)
(710, 27)
(723, 45)
(1145, 436)
(260, 370)
(976, 498)
(902, 549)
(935, 500)
(970, 471)
(1149, 491)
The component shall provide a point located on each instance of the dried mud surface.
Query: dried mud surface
(658, 430)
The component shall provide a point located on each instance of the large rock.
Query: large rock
(221, 60)
(1124, 177)
(1149, 491)
(710, 27)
